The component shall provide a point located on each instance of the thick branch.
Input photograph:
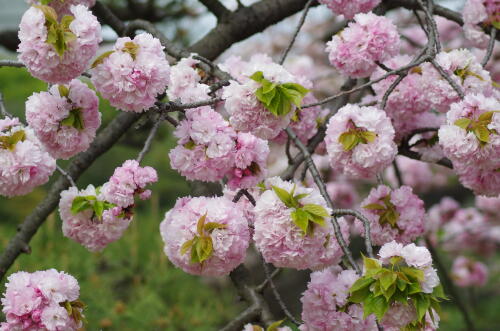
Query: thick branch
(216, 8)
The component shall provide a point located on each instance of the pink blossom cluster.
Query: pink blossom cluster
(399, 315)
(466, 272)
(48, 114)
(324, 301)
(349, 8)
(477, 13)
(38, 301)
(249, 162)
(41, 58)
(490, 207)
(206, 145)
(407, 210)
(475, 157)
(185, 83)
(85, 227)
(251, 327)
(367, 40)
(282, 242)
(365, 160)
(127, 181)
(229, 241)
(247, 113)
(343, 193)
(63, 7)
(133, 74)
(24, 164)
(465, 70)
(438, 215)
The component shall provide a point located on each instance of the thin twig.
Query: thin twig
(366, 224)
(491, 46)
(248, 315)
(447, 77)
(244, 192)
(287, 151)
(3, 110)
(397, 173)
(149, 139)
(297, 30)
(261, 287)
(65, 174)
(322, 189)
(9, 63)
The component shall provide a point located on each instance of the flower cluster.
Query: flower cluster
(206, 145)
(349, 8)
(65, 119)
(127, 181)
(90, 220)
(325, 304)
(394, 215)
(24, 164)
(470, 139)
(465, 70)
(490, 207)
(133, 73)
(466, 272)
(292, 227)
(43, 300)
(359, 141)
(205, 236)
(402, 274)
(54, 50)
(367, 40)
(479, 13)
(185, 83)
(273, 327)
(62, 7)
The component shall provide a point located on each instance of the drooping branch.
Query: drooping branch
(491, 46)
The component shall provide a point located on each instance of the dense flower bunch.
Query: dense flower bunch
(359, 141)
(65, 119)
(127, 181)
(58, 50)
(206, 145)
(325, 304)
(394, 215)
(24, 164)
(466, 272)
(205, 236)
(90, 220)
(185, 82)
(43, 300)
(249, 101)
(470, 139)
(63, 7)
(292, 227)
(342, 193)
(464, 68)
(401, 288)
(250, 158)
(490, 206)
(273, 327)
(479, 13)
(133, 73)
(367, 40)
(349, 8)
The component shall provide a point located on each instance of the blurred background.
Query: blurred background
(131, 285)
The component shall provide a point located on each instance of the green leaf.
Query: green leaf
(360, 295)
(74, 119)
(482, 134)
(414, 288)
(268, 87)
(349, 140)
(100, 59)
(371, 264)
(486, 117)
(374, 206)
(401, 284)
(63, 90)
(387, 278)
(363, 282)
(201, 224)
(388, 293)
(131, 48)
(98, 208)
(204, 248)
(283, 195)
(367, 136)
(210, 226)
(413, 273)
(316, 210)
(275, 325)
(496, 24)
(300, 196)
(438, 292)
(422, 304)
(297, 87)
(301, 219)
(463, 123)
(375, 305)
(80, 204)
(187, 245)
(316, 219)
(257, 76)
(66, 21)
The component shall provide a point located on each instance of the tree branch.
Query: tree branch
(215, 7)
(297, 30)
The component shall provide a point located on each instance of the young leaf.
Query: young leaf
(283, 195)
(301, 219)
(422, 304)
(187, 245)
(360, 295)
(367, 136)
(316, 219)
(100, 59)
(371, 264)
(482, 134)
(210, 226)
(257, 76)
(374, 206)
(387, 279)
(349, 140)
(486, 117)
(463, 123)
(363, 282)
(204, 248)
(98, 208)
(275, 325)
(131, 48)
(63, 90)
(201, 224)
(316, 210)
(80, 204)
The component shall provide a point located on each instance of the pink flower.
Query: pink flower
(326, 294)
(127, 181)
(477, 13)
(370, 38)
(85, 227)
(369, 156)
(466, 272)
(206, 146)
(185, 82)
(342, 193)
(249, 162)
(349, 8)
(480, 179)
(41, 58)
(48, 114)
(282, 242)
(62, 7)
(393, 214)
(490, 207)
(133, 74)
(228, 241)
(36, 301)
(24, 164)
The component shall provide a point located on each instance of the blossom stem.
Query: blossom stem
(296, 33)
(491, 46)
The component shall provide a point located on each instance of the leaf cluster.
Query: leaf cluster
(81, 203)
(387, 211)
(380, 287)
(278, 98)
(355, 136)
(9, 142)
(478, 126)
(59, 34)
(304, 216)
(74, 309)
(201, 245)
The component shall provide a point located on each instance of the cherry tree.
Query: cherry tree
(300, 146)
